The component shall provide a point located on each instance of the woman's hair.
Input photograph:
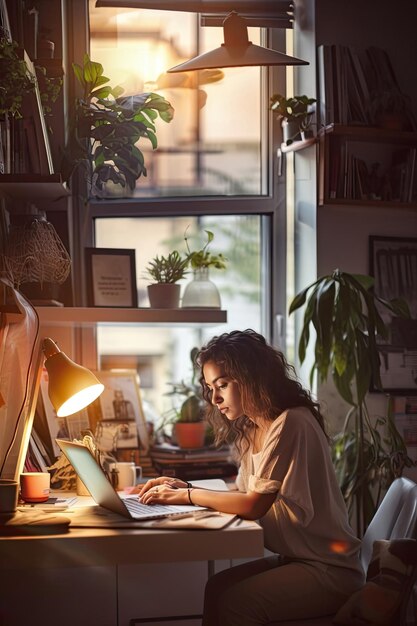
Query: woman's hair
(267, 384)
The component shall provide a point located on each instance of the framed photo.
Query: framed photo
(120, 404)
(393, 264)
(116, 435)
(111, 277)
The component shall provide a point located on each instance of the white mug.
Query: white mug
(124, 474)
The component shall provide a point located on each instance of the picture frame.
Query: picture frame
(120, 404)
(393, 264)
(111, 277)
(114, 435)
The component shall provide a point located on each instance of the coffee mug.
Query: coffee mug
(9, 490)
(34, 486)
(124, 474)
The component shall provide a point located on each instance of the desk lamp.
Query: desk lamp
(71, 387)
(236, 51)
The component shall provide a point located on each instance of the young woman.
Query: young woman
(286, 481)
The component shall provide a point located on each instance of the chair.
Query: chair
(396, 518)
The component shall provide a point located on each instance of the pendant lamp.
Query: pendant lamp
(236, 51)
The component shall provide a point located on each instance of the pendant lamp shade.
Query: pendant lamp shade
(236, 51)
(71, 387)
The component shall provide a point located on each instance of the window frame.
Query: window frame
(271, 206)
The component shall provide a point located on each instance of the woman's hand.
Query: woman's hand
(162, 490)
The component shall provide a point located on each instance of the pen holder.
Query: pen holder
(9, 490)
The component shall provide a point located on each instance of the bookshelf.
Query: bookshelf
(367, 166)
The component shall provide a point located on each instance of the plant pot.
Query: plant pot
(164, 295)
(201, 292)
(190, 434)
(290, 131)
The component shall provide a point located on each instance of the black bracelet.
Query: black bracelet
(189, 496)
(189, 485)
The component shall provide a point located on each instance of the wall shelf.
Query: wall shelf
(298, 145)
(367, 166)
(33, 186)
(84, 316)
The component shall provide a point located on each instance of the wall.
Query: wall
(342, 232)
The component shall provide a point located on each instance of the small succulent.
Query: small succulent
(167, 269)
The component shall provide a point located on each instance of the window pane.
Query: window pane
(160, 354)
(212, 146)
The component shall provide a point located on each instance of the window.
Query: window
(205, 150)
(165, 350)
(212, 170)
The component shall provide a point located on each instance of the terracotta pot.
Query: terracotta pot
(164, 295)
(190, 434)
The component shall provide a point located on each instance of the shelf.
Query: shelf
(388, 204)
(33, 186)
(371, 133)
(367, 166)
(298, 145)
(146, 316)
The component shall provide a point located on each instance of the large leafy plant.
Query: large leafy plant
(343, 311)
(108, 127)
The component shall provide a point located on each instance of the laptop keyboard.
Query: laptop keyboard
(138, 508)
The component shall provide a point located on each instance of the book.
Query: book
(165, 453)
(325, 76)
(197, 471)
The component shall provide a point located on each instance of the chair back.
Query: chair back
(395, 518)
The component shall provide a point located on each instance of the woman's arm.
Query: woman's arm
(250, 505)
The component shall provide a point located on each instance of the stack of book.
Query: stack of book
(349, 82)
(192, 464)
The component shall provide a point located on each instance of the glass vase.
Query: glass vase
(201, 292)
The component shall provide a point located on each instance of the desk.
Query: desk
(87, 577)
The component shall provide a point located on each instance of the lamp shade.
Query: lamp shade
(236, 51)
(71, 387)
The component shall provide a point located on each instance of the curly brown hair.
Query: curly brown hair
(267, 384)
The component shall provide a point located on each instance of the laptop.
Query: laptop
(104, 494)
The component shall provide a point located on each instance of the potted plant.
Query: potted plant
(165, 272)
(296, 115)
(201, 292)
(187, 417)
(108, 127)
(16, 79)
(342, 309)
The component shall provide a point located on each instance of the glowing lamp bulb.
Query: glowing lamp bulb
(71, 387)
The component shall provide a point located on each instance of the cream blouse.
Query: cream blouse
(308, 520)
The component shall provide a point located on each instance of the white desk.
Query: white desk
(103, 577)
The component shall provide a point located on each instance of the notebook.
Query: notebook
(104, 494)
